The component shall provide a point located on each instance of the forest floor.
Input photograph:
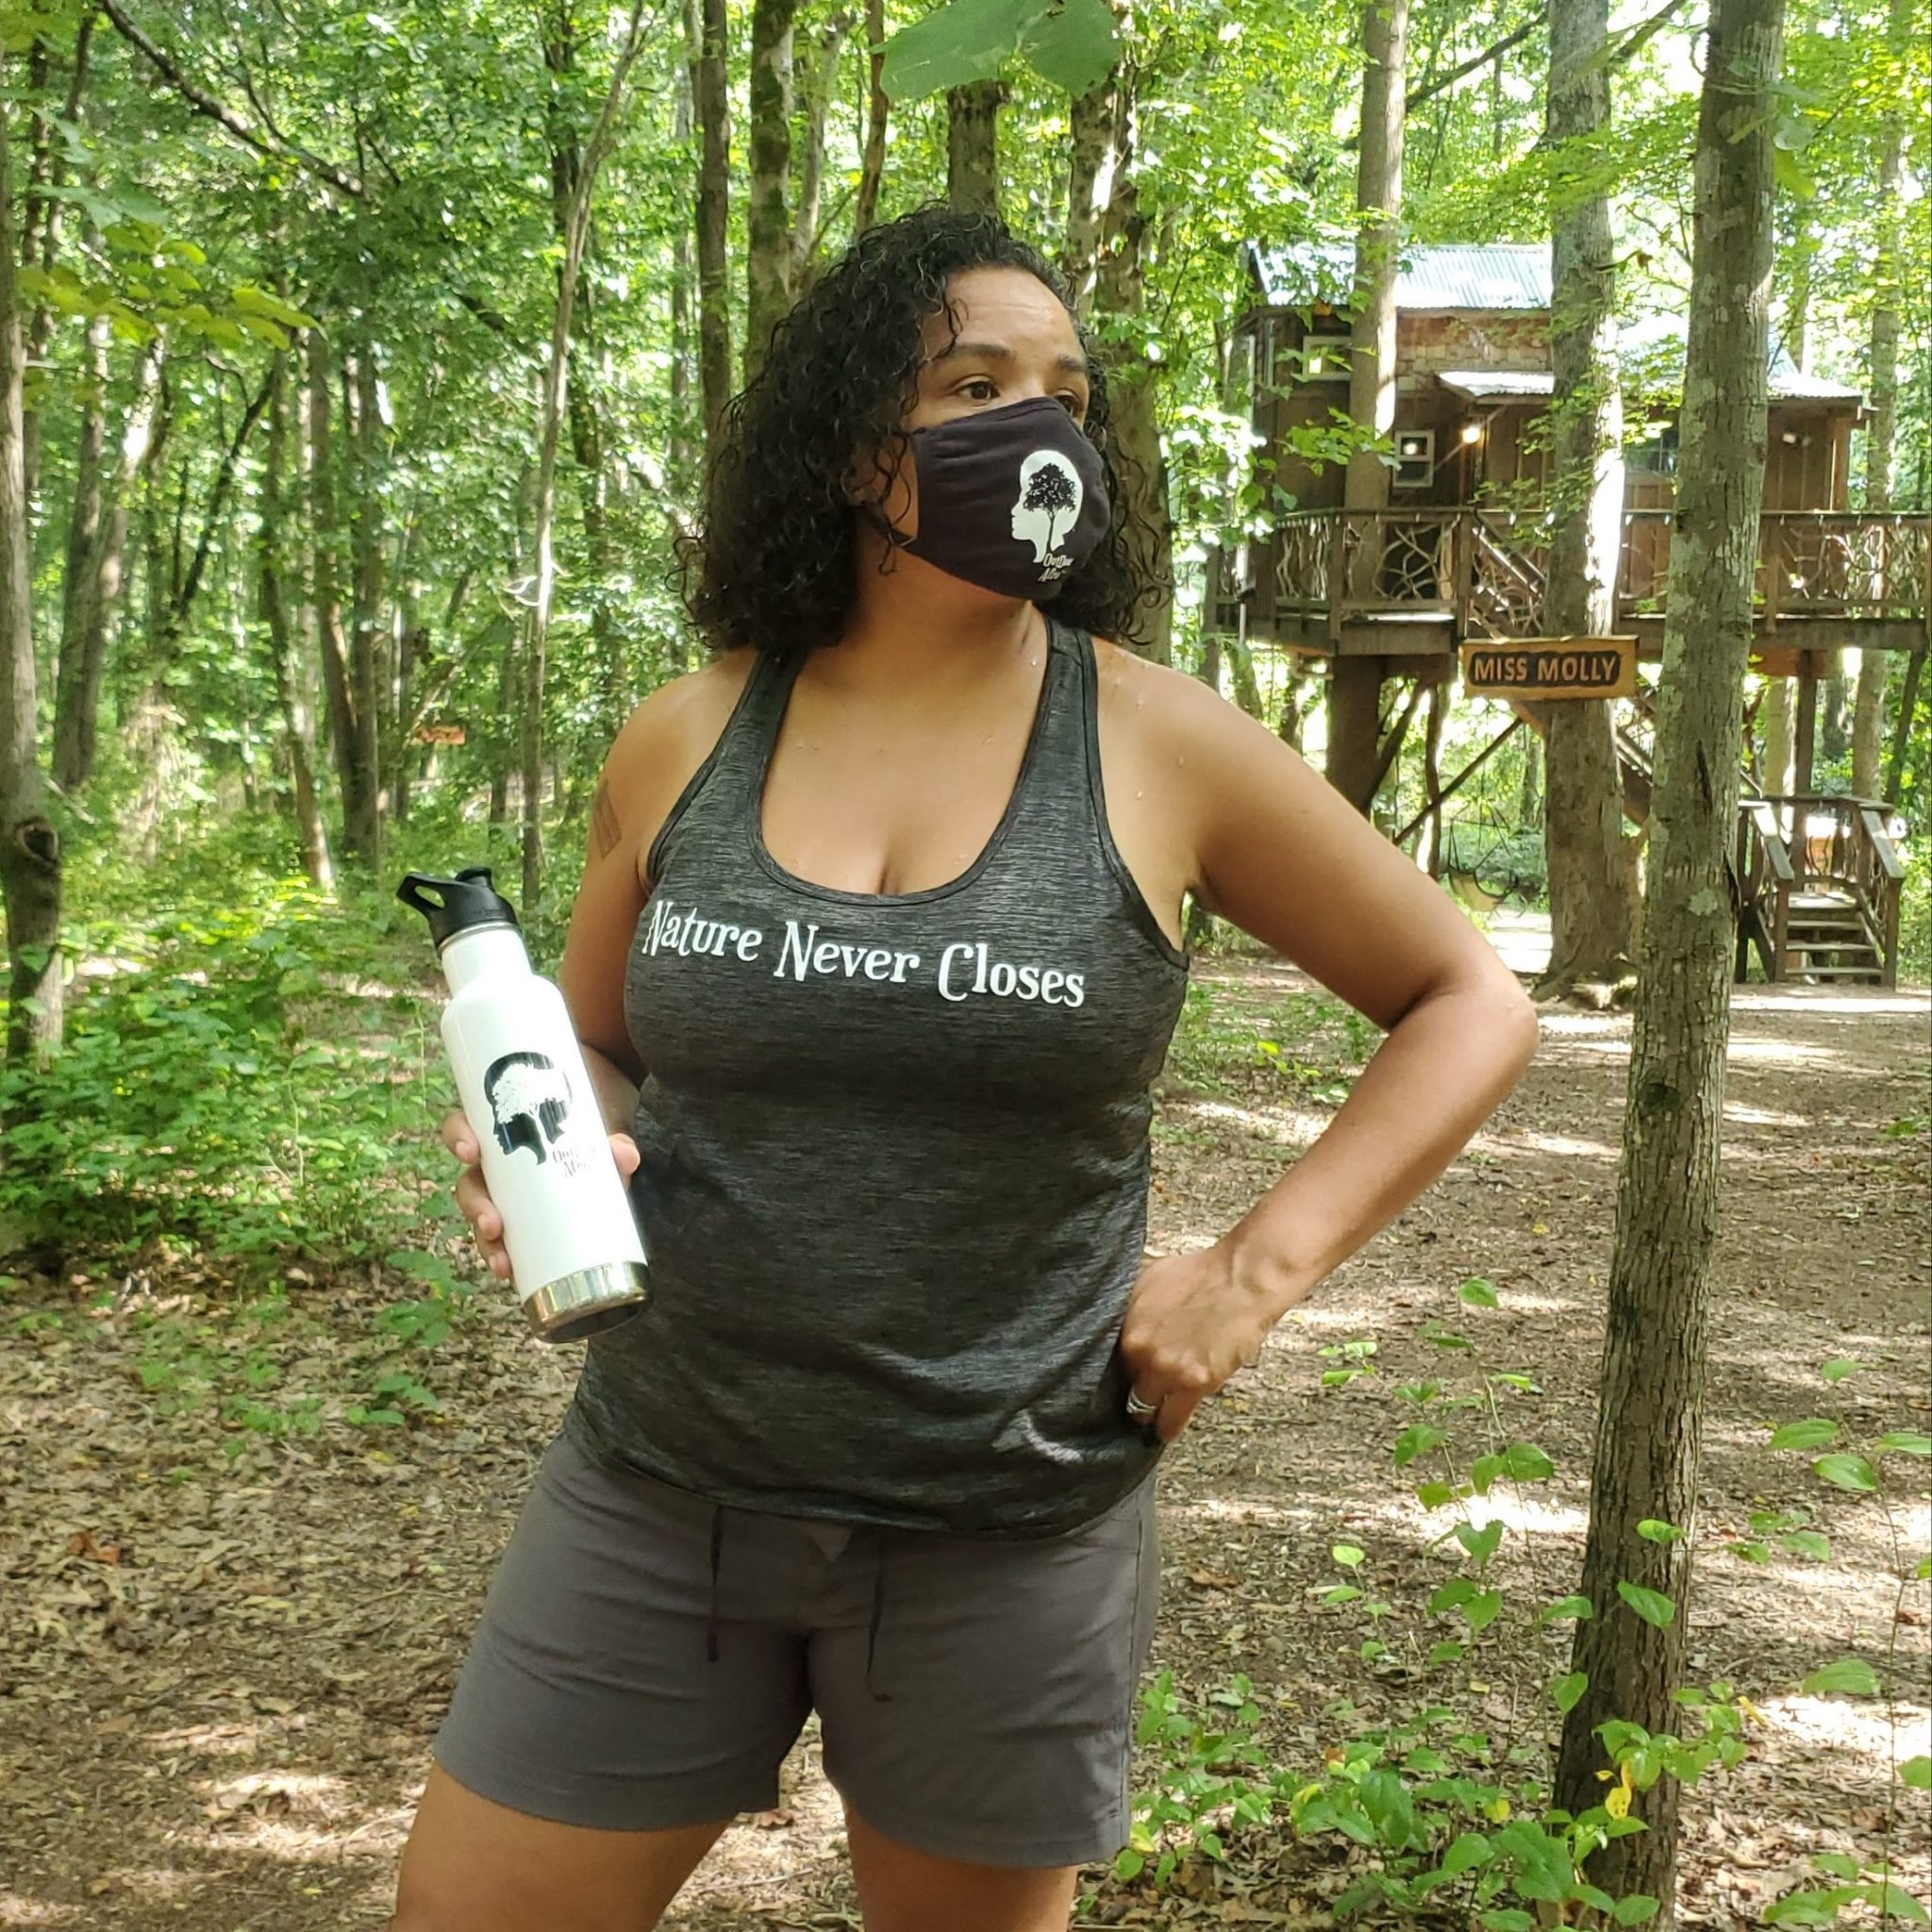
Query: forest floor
(228, 1631)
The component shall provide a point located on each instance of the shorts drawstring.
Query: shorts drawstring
(717, 1553)
(878, 1612)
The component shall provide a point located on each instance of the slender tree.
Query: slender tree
(872, 165)
(30, 865)
(972, 159)
(1583, 816)
(768, 220)
(1649, 1423)
(712, 90)
(1354, 684)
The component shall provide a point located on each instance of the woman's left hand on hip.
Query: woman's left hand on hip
(1190, 1327)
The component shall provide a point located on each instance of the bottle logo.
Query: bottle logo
(529, 1102)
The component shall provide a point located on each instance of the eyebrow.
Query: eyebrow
(999, 352)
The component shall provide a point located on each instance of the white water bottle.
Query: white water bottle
(575, 1255)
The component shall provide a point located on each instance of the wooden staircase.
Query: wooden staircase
(1816, 888)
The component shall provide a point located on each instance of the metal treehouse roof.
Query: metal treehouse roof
(1477, 275)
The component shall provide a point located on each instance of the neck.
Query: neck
(913, 624)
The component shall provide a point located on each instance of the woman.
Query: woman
(876, 952)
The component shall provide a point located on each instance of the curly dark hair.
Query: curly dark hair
(774, 564)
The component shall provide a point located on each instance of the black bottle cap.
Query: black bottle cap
(459, 905)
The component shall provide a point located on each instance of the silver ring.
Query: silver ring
(1141, 1411)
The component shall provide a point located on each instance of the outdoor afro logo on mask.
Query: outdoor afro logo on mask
(1012, 499)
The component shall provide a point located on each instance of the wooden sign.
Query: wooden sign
(1552, 668)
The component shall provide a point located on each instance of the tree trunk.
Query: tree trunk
(767, 220)
(576, 237)
(1134, 429)
(683, 443)
(1090, 190)
(973, 162)
(811, 156)
(710, 87)
(1868, 720)
(297, 728)
(357, 782)
(81, 622)
(1354, 684)
(1776, 743)
(872, 165)
(366, 652)
(1583, 815)
(1649, 1422)
(29, 845)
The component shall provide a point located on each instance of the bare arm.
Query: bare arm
(1274, 849)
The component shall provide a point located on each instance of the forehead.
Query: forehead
(1006, 306)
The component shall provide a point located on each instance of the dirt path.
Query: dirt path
(225, 1632)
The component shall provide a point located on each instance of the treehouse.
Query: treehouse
(1459, 554)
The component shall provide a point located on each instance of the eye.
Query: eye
(1075, 406)
(978, 388)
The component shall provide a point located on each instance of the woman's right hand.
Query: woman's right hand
(472, 1196)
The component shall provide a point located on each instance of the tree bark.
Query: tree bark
(1867, 718)
(710, 87)
(973, 161)
(576, 228)
(1583, 815)
(297, 727)
(356, 781)
(767, 220)
(1354, 684)
(367, 642)
(872, 165)
(683, 444)
(1090, 190)
(80, 585)
(1649, 1423)
(1134, 429)
(810, 160)
(1776, 743)
(30, 865)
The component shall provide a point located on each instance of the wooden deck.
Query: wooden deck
(1402, 582)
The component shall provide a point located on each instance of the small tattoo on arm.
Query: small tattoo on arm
(606, 834)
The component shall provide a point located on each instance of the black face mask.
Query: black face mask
(1012, 499)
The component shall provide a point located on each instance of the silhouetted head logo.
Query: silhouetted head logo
(528, 1100)
(1047, 508)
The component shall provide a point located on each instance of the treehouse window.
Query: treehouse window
(1655, 455)
(1325, 359)
(1415, 458)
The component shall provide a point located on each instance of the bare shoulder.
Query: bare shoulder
(1155, 706)
(663, 743)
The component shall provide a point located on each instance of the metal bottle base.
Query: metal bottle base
(574, 1306)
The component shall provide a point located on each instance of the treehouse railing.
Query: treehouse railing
(1823, 845)
(1485, 570)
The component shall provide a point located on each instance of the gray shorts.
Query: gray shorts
(646, 1659)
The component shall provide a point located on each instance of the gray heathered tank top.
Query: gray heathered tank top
(894, 1177)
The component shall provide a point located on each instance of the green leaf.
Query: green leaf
(1652, 1605)
(1812, 1434)
(1433, 1495)
(1807, 1542)
(1445, 1654)
(1418, 1441)
(1347, 1556)
(1544, 1869)
(1568, 1691)
(1478, 1293)
(254, 301)
(1635, 1909)
(1508, 1919)
(1567, 1610)
(955, 45)
(1903, 1442)
(1893, 1901)
(1451, 1595)
(1075, 46)
(1523, 1462)
(1917, 1773)
(1130, 1865)
(1469, 1851)
(1483, 1472)
(1850, 1676)
(1839, 1367)
(1480, 1543)
(1483, 1609)
(1655, 1531)
(1837, 1865)
(1846, 1472)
